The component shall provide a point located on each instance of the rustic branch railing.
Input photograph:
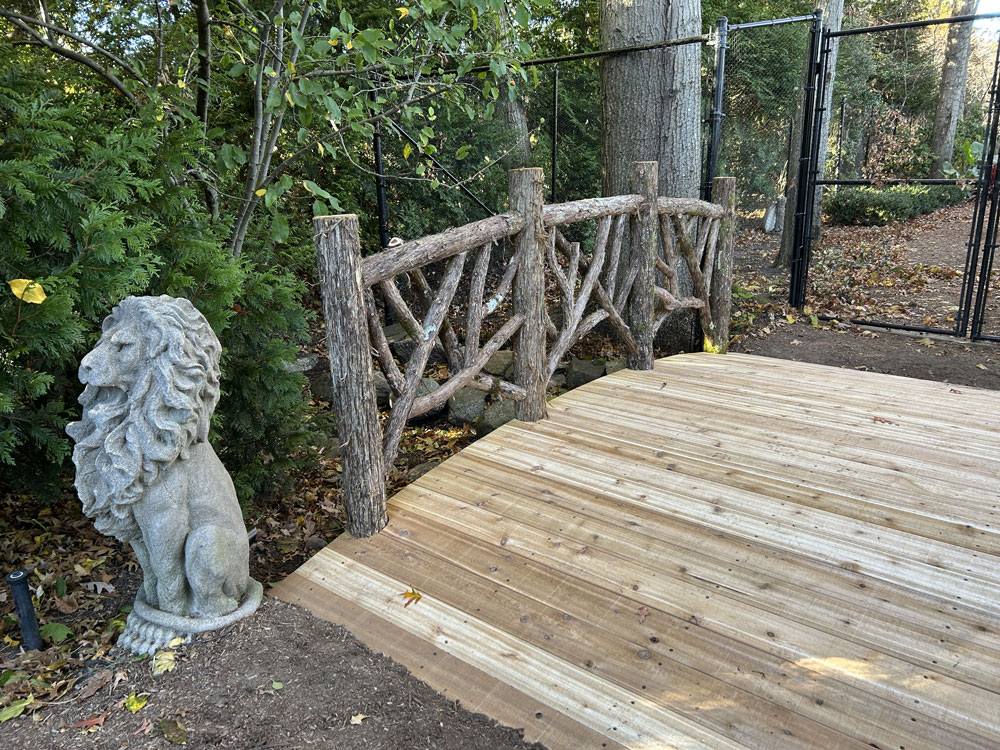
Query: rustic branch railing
(630, 278)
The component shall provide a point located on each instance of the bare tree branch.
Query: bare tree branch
(51, 44)
(75, 56)
(204, 60)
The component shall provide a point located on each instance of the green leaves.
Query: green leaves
(55, 632)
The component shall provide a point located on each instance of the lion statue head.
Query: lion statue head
(152, 383)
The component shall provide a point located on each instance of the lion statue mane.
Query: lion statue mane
(147, 475)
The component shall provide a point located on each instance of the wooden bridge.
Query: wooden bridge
(724, 551)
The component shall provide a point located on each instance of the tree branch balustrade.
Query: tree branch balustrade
(639, 243)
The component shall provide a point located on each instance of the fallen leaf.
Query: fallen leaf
(173, 731)
(412, 596)
(93, 684)
(99, 587)
(358, 718)
(164, 661)
(135, 702)
(145, 728)
(277, 685)
(981, 367)
(643, 612)
(16, 708)
(882, 420)
(55, 632)
(89, 725)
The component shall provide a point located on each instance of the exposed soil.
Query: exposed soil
(284, 679)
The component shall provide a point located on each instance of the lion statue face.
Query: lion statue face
(152, 383)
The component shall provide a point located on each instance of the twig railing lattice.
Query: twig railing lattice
(631, 278)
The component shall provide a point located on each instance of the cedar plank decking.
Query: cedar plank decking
(723, 552)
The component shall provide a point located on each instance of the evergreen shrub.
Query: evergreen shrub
(869, 206)
(94, 211)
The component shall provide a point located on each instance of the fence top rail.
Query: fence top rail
(910, 24)
(420, 252)
(436, 247)
(556, 214)
(691, 206)
(772, 22)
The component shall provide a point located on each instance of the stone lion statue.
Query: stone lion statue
(147, 475)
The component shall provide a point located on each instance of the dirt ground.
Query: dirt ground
(284, 679)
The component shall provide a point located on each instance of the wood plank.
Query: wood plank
(960, 575)
(725, 551)
(833, 599)
(622, 715)
(894, 679)
(472, 688)
(807, 486)
(663, 657)
(796, 441)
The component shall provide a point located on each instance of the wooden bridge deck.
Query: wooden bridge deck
(723, 552)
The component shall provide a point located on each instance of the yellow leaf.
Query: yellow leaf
(350, 45)
(982, 367)
(181, 84)
(175, 642)
(358, 718)
(28, 290)
(291, 66)
(412, 596)
(134, 702)
(159, 117)
(288, 96)
(242, 59)
(403, 12)
(272, 74)
(407, 150)
(790, 318)
(333, 42)
(260, 192)
(164, 661)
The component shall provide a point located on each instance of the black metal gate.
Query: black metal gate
(979, 277)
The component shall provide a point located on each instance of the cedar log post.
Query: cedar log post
(721, 292)
(338, 255)
(643, 230)
(529, 293)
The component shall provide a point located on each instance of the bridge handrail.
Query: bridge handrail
(632, 278)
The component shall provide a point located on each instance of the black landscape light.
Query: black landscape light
(18, 580)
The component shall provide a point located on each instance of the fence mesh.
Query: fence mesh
(764, 67)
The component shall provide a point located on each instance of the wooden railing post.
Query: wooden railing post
(721, 292)
(643, 231)
(529, 293)
(338, 255)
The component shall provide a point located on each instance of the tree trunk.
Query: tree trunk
(650, 111)
(512, 111)
(951, 96)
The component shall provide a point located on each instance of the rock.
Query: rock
(614, 365)
(497, 415)
(429, 386)
(420, 469)
(558, 381)
(404, 348)
(321, 385)
(582, 371)
(383, 393)
(316, 542)
(466, 406)
(501, 364)
(395, 333)
(306, 363)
